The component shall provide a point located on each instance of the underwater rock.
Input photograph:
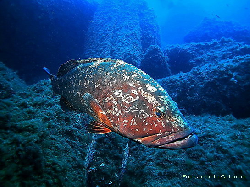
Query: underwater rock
(10, 83)
(183, 57)
(155, 63)
(210, 29)
(34, 144)
(122, 30)
(180, 58)
(218, 88)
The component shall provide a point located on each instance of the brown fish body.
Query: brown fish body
(125, 100)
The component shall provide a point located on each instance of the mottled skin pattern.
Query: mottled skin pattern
(125, 100)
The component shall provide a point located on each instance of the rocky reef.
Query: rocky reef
(210, 29)
(215, 88)
(122, 30)
(41, 145)
(216, 78)
(183, 57)
(155, 63)
(9, 82)
(31, 122)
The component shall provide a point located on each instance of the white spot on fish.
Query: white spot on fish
(131, 84)
(151, 88)
(118, 93)
(133, 122)
(125, 77)
(130, 99)
(134, 92)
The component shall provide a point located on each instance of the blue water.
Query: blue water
(198, 51)
(37, 33)
(176, 17)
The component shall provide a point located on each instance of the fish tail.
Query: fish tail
(48, 72)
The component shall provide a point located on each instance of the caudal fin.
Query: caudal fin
(48, 72)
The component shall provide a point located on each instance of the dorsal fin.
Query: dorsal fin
(67, 66)
(71, 64)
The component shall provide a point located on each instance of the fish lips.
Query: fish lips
(178, 140)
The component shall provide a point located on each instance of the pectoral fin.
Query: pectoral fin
(103, 124)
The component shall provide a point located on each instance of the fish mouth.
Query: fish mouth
(180, 140)
(175, 140)
(171, 140)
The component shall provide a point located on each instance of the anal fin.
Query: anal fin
(98, 128)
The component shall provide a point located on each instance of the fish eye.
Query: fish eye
(159, 113)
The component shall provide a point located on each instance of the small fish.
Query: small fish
(123, 99)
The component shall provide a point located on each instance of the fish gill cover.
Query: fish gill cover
(203, 65)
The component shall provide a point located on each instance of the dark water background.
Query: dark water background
(37, 33)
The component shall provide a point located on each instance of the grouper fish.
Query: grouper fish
(122, 99)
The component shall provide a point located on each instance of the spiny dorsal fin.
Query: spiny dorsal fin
(71, 64)
(67, 66)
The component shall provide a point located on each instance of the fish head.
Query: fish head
(176, 134)
(168, 128)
